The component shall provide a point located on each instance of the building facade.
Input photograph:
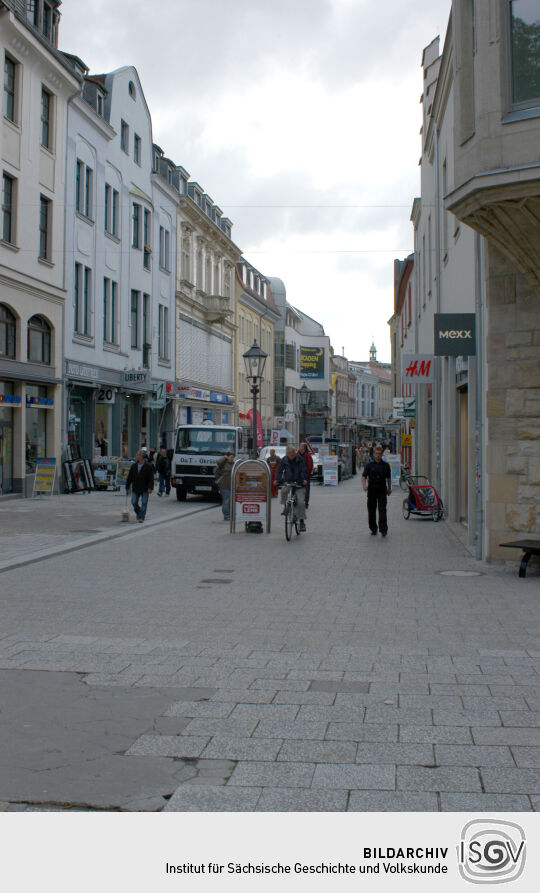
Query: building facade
(205, 309)
(121, 209)
(256, 316)
(38, 83)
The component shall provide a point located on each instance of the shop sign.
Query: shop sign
(250, 495)
(199, 394)
(406, 440)
(417, 368)
(455, 334)
(219, 398)
(11, 399)
(137, 377)
(158, 400)
(39, 401)
(45, 476)
(312, 362)
(106, 395)
(274, 437)
(79, 370)
(404, 407)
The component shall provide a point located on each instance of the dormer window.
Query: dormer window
(32, 12)
(100, 104)
(47, 22)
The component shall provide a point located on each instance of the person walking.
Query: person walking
(273, 463)
(304, 453)
(223, 480)
(141, 480)
(163, 468)
(377, 483)
(292, 470)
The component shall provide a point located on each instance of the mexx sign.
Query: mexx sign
(455, 334)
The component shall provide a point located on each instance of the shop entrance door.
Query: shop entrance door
(463, 457)
(76, 425)
(6, 458)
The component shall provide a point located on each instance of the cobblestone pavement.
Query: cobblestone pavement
(179, 668)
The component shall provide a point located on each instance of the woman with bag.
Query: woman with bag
(223, 481)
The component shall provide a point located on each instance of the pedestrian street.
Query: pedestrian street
(179, 668)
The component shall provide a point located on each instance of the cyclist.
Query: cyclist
(304, 454)
(292, 470)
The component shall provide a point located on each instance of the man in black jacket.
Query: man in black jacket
(163, 468)
(377, 482)
(292, 470)
(141, 481)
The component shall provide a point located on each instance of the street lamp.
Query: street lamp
(304, 395)
(255, 359)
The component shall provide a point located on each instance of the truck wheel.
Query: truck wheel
(181, 494)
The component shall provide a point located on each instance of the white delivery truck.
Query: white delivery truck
(197, 449)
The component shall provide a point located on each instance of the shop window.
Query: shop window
(8, 332)
(36, 428)
(525, 44)
(39, 340)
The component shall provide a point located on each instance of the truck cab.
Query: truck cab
(197, 450)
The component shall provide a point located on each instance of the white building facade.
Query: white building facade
(38, 83)
(120, 272)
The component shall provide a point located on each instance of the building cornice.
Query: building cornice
(29, 285)
(94, 119)
(210, 230)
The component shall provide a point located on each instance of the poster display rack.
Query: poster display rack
(251, 495)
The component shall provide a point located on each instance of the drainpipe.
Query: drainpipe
(479, 390)
(438, 371)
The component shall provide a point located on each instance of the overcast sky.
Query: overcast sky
(300, 118)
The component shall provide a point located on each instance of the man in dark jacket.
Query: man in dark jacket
(304, 454)
(377, 482)
(141, 480)
(293, 470)
(163, 468)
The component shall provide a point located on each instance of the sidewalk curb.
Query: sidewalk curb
(76, 545)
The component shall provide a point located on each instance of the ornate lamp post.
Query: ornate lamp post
(304, 395)
(255, 359)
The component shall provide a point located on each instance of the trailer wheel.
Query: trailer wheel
(406, 509)
(181, 494)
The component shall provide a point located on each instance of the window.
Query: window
(124, 137)
(83, 188)
(35, 426)
(8, 209)
(39, 340)
(136, 226)
(164, 248)
(82, 298)
(242, 333)
(46, 25)
(112, 198)
(137, 149)
(146, 321)
(10, 87)
(147, 251)
(525, 42)
(110, 311)
(131, 89)
(134, 318)
(163, 332)
(32, 12)
(46, 111)
(8, 331)
(100, 104)
(44, 228)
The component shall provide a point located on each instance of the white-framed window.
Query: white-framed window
(45, 227)
(110, 311)
(135, 318)
(9, 204)
(11, 83)
(137, 149)
(163, 332)
(47, 102)
(147, 233)
(124, 137)
(84, 189)
(112, 206)
(100, 104)
(164, 248)
(82, 300)
(136, 225)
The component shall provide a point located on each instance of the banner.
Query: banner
(312, 362)
(260, 439)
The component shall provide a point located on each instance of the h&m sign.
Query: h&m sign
(455, 334)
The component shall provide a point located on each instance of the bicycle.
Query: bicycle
(404, 477)
(291, 519)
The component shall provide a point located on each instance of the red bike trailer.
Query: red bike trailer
(422, 500)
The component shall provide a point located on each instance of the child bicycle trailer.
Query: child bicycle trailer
(423, 500)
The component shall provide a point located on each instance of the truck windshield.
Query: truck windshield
(203, 441)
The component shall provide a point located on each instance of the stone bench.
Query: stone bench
(530, 547)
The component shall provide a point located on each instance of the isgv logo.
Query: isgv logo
(491, 851)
